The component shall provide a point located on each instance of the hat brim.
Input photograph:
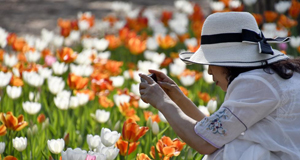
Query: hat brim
(236, 54)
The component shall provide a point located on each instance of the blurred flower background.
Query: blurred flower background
(69, 81)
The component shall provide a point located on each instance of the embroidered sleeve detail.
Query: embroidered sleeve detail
(220, 128)
(215, 125)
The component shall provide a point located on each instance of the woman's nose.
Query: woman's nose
(209, 70)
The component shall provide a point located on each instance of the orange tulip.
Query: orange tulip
(10, 158)
(46, 52)
(128, 111)
(65, 27)
(154, 117)
(286, 22)
(114, 42)
(197, 74)
(126, 34)
(16, 81)
(270, 16)
(12, 122)
(89, 19)
(66, 55)
(101, 84)
(294, 10)
(105, 102)
(123, 146)
(204, 96)
(136, 45)
(197, 28)
(41, 118)
(11, 38)
(111, 19)
(77, 82)
(19, 45)
(166, 42)
(142, 156)
(167, 148)
(2, 130)
(258, 18)
(197, 14)
(166, 62)
(132, 132)
(184, 90)
(1, 54)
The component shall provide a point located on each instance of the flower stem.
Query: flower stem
(21, 155)
(127, 151)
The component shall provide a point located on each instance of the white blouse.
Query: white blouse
(259, 119)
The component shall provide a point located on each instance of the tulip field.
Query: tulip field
(74, 94)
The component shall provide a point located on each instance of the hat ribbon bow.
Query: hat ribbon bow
(263, 43)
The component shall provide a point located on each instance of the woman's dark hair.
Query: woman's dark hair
(285, 69)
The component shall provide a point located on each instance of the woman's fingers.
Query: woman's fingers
(146, 79)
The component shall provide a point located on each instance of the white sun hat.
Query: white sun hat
(233, 39)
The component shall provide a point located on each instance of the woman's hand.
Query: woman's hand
(168, 85)
(152, 93)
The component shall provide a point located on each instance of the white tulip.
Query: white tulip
(282, 6)
(10, 60)
(58, 41)
(295, 41)
(235, 4)
(187, 80)
(204, 110)
(16, 72)
(152, 44)
(56, 145)
(74, 35)
(64, 93)
(59, 68)
(119, 99)
(5, 78)
(118, 81)
(45, 72)
(108, 137)
(55, 84)
(82, 98)
(176, 69)
(162, 117)
(83, 25)
(217, 6)
(13, 92)
(76, 154)
(20, 143)
(207, 77)
(62, 102)
(93, 141)
(104, 55)
(110, 152)
(144, 66)
(249, 2)
(118, 6)
(212, 106)
(282, 32)
(87, 43)
(2, 147)
(158, 58)
(143, 105)
(31, 107)
(3, 38)
(40, 44)
(135, 89)
(191, 42)
(81, 70)
(148, 54)
(47, 35)
(100, 44)
(184, 6)
(74, 102)
(84, 57)
(33, 79)
(101, 116)
(34, 96)
(155, 128)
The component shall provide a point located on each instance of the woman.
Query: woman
(260, 116)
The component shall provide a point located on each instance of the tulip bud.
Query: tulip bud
(29, 133)
(45, 124)
(155, 128)
(56, 145)
(79, 139)
(35, 129)
(212, 106)
(117, 126)
(67, 139)
(2, 147)
(149, 122)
